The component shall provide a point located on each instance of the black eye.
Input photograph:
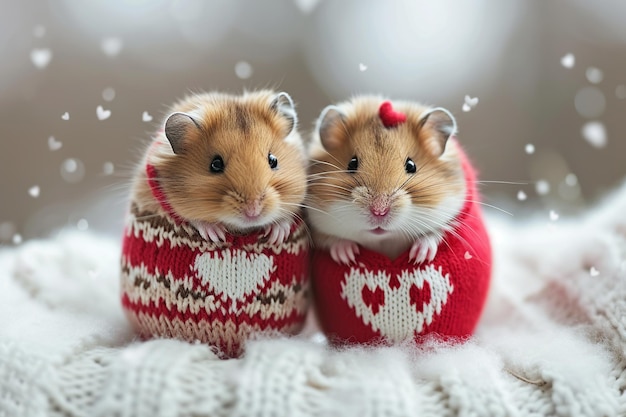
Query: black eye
(217, 164)
(353, 165)
(272, 160)
(409, 166)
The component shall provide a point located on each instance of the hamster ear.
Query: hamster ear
(443, 123)
(330, 117)
(283, 104)
(177, 126)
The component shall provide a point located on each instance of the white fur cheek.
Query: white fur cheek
(427, 220)
(340, 218)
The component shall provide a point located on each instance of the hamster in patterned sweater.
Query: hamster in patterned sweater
(227, 164)
(385, 176)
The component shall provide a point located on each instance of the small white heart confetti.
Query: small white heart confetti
(595, 134)
(34, 191)
(146, 117)
(542, 187)
(65, 116)
(243, 70)
(593, 271)
(17, 239)
(554, 216)
(362, 67)
(466, 107)
(529, 148)
(472, 102)
(41, 57)
(521, 196)
(108, 168)
(568, 60)
(53, 144)
(467, 255)
(594, 75)
(111, 46)
(103, 114)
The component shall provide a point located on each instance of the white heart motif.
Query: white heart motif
(397, 318)
(234, 274)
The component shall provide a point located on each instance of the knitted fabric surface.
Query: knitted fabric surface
(379, 298)
(551, 341)
(177, 284)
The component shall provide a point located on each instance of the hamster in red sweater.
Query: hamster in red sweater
(215, 248)
(396, 223)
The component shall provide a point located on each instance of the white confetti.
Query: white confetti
(102, 113)
(243, 70)
(41, 57)
(620, 91)
(595, 134)
(466, 107)
(529, 148)
(111, 46)
(590, 102)
(108, 94)
(467, 255)
(471, 101)
(593, 271)
(82, 225)
(542, 187)
(39, 31)
(571, 180)
(146, 117)
(554, 216)
(65, 116)
(594, 75)
(568, 60)
(53, 144)
(521, 196)
(362, 67)
(108, 168)
(72, 170)
(34, 191)
(17, 239)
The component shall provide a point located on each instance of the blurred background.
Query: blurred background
(538, 88)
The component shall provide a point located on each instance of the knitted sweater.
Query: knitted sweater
(397, 300)
(177, 284)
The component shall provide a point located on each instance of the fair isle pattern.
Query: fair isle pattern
(176, 284)
(393, 300)
(418, 296)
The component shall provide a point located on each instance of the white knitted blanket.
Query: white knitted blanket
(552, 341)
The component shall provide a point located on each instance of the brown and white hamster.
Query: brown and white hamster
(228, 164)
(384, 175)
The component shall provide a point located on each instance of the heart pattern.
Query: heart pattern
(397, 306)
(102, 113)
(234, 274)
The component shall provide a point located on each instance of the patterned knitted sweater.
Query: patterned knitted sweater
(395, 300)
(177, 284)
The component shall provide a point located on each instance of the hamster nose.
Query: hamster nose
(253, 209)
(380, 206)
(379, 211)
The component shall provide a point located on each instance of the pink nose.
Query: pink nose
(253, 209)
(379, 211)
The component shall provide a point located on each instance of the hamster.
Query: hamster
(228, 164)
(384, 175)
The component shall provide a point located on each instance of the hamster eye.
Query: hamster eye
(217, 164)
(409, 166)
(353, 165)
(272, 160)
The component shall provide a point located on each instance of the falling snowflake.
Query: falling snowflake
(41, 57)
(529, 148)
(243, 70)
(17, 239)
(65, 116)
(568, 60)
(594, 75)
(554, 216)
(362, 67)
(108, 94)
(521, 195)
(72, 170)
(595, 134)
(34, 191)
(542, 187)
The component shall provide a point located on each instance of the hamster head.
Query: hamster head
(384, 170)
(235, 160)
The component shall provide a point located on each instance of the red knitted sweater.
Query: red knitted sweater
(394, 300)
(176, 284)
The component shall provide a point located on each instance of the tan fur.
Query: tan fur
(242, 130)
(382, 153)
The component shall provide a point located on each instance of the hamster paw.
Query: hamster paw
(424, 249)
(343, 251)
(214, 232)
(277, 233)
